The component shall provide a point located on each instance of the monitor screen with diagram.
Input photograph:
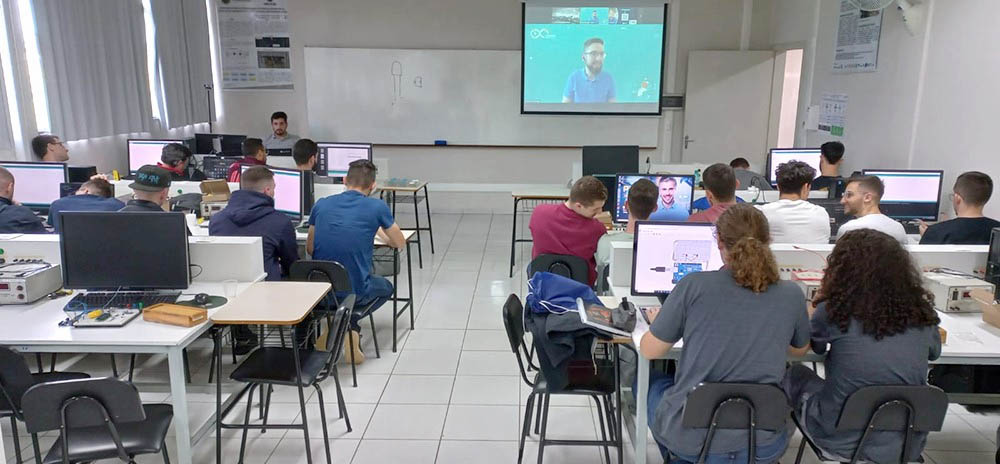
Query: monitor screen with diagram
(666, 252)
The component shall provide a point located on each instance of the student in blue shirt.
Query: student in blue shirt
(342, 228)
(97, 194)
(590, 84)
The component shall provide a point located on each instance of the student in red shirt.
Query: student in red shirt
(254, 154)
(720, 189)
(570, 228)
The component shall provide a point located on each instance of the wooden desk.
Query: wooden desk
(540, 194)
(396, 310)
(414, 190)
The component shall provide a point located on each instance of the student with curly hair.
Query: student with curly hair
(857, 315)
(739, 324)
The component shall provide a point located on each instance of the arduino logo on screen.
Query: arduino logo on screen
(541, 33)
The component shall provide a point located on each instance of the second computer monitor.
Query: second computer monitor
(909, 194)
(219, 144)
(665, 252)
(338, 156)
(287, 190)
(36, 185)
(673, 197)
(143, 152)
(779, 156)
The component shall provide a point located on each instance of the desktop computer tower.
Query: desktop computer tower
(993, 262)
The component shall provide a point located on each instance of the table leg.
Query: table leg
(395, 293)
(427, 206)
(420, 243)
(409, 281)
(178, 396)
(641, 421)
(218, 396)
(513, 239)
(392, 196)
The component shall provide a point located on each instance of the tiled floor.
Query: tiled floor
(452, 394)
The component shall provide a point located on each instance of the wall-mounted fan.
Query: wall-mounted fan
(913, 13)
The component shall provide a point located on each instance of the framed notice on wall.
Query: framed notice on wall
(254, 44)
(857, 39)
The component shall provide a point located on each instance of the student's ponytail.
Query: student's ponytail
(743, 231)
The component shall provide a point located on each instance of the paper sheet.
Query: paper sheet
(255, 44)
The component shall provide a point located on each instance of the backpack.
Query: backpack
(553, 293)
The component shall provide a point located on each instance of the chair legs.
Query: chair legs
(17, 441)
(340, 401)
(246, 421)
(802, 448)
(166, 456)
(525, 427)
(371, 319)
(611, 434)
(322, 417)
(545, 423)
(604, 434)
(354, 366)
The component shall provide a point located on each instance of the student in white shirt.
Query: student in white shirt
(861, 198)
(792, 219)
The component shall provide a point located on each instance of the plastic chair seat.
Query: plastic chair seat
(94, 443)
(275, 365)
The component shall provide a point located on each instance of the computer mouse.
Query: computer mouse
(201, 299)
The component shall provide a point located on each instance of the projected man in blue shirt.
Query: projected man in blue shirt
(667, 208)
(590, 84)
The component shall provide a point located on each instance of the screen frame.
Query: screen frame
(663, 65)
(937, 204)
(65, 169)
(69, 284)
(302, 213)
(772, 175)
(326, 162)
(618, 177)
(128, 150)
(635, 246)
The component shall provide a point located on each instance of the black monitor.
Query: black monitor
(679, 191)
(665, 252)
(81, 173)
(909, 194)
(333, 159)
(124, 251)
(67, 189)
(219, 144)
(608, 160)
(36, 184)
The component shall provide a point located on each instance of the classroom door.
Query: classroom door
(727, 106)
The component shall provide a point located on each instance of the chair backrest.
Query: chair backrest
(929, 405)
(572, 267)
(513, 323)
(307, 270)
(733, 401)
(82, 401)
(15, 379)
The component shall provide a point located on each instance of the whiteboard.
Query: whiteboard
(465, 97)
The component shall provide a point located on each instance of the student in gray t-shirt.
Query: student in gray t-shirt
(738, 324)
(857, 316)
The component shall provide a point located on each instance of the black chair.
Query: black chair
(745, 406)
(599, 386)
(298, 367)
(96, 419)
(15, 379)
(573, 267)
(906, 409)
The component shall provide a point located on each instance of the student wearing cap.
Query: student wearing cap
(97, 194)
(149, 190)
(15, 218)
(254, 154)
(175, 158)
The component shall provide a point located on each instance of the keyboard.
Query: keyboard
(98, 300)
(911, 227)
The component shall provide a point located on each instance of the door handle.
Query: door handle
(687, 140)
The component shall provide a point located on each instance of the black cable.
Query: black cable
(200, 270)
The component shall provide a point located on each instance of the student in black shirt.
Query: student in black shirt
(971, 192)
(15, 218)
(829, 166)
(149, 191)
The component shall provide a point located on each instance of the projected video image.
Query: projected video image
(592, 60)
(673, 202)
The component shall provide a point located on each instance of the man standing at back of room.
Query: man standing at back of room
(971, 192)
(792, 219)
(254, 154)
(97, 194)
(720, 190)
(280, 138)
(831, 156)
(15, 218)
(149, 190)
(569, 228)
(861, 199)
(50, 149)
(342, 228)
(305, 153)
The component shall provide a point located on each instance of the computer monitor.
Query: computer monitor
(288, 190)
(36, 185)
(217, 167)
(143, 152)
(219, 144)
(609, 160)
(336, 157)
(124, 251)
(909, 194)
(665, 252)
(778, 156)
(81, 173)
(673, 201)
